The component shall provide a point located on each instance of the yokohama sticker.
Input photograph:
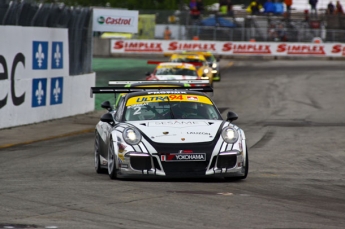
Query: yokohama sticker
(298, 49)
(137, 46)
(184, 157)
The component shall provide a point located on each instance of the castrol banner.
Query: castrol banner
(229, 48)
(111, 20)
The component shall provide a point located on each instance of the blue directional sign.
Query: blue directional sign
(57, 55)
(40, 55)
(39, 92)
(56, 90)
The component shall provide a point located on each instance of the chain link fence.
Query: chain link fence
(298, 28)
(78, 21)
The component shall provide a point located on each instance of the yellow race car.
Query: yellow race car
(212, 61)
(199, 61)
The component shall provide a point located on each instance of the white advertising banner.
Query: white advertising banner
(112, 20)
(230, 48)
(35, 84)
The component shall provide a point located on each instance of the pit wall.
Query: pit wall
(35, 84)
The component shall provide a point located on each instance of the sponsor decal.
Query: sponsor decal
(200, 133)
(301, 49)
(247, 48)
(136, 46)
(338, 49)
(151, 99)
(183, 157)
(175, 45)
(177, 123)
(138, 105)
(167, 92)
(192, 98)
(114, 20)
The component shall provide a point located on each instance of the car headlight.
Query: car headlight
(214, 65)
(206, 70)
(131, 136)
(229, 135)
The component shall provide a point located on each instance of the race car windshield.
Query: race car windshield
(175, 71)
(210, 58)
(170, 107)
(187, 60)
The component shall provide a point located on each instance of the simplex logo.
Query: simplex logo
(100, 20)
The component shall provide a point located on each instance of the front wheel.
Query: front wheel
(245, 168)
(112, 171)
(98, 167)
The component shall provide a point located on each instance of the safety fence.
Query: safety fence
(298, 27)
(78, 21)
(263, 34)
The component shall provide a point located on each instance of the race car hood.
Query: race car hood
(179, 131)
(176, 77)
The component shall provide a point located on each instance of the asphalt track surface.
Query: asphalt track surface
(293, 115)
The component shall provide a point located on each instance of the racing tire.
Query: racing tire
(98, 167)
(246, 169)
(112, 171)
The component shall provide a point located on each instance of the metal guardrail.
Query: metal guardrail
(78, 21)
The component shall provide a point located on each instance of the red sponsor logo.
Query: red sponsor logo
(193, 98)
(138, 46)
(302, 49)
(173, 46)
(117, 21)
(247, 48)
(338, 49)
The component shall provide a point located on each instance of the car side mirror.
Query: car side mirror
(106, 105)
(108, 118)
(231, 116)
(148, 74)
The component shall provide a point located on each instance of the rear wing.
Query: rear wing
(158, 62)
(181, 83)
(136, 86)
(199, 52)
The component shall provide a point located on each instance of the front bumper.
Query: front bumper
(137, 164)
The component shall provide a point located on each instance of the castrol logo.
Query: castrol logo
(114, 20)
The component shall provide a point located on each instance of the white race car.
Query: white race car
(168, 131)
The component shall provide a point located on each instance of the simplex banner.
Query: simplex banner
(112, 20)
(230, 48)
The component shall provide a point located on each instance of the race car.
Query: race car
(198, 60)
(172, 71)
(212, 61)
(170, 131)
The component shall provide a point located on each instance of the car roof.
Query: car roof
(189, 56)
(204, 53)
(173, 64)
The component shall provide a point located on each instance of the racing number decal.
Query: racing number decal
(137, 110)
(175, 97)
